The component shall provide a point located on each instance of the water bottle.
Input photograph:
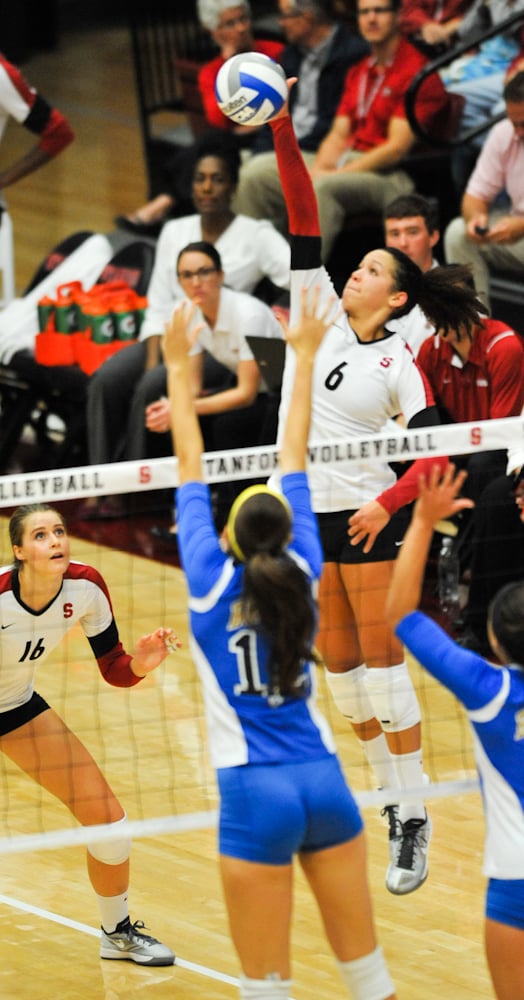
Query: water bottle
(448, 578)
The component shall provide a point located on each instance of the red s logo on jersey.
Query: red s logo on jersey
(68, 610)
(386, 362)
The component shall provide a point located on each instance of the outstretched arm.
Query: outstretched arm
(187, 437)
(297, 187)
(438, 499)
(305, 339)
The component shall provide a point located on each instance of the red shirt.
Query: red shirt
(374, 94)
(208, 75)
(415, 13)
(489, 385)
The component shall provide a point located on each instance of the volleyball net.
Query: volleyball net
(150, 740)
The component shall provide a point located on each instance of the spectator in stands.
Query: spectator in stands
(474, 376)
(230, 27)
(22, 102)
(319, 52)
(356, 167)
(479, 76)
(411, 225)
(432, 24)
(120, 391)
(497, 548)
(489, 234)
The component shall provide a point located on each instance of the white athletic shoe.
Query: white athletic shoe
(129, 942)
(409, 866)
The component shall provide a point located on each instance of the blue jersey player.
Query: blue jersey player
(252, 622)
(493, 696)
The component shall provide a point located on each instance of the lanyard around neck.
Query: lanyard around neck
(366, 95)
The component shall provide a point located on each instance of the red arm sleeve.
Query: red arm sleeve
(299, 194)
(405, 490)
(57, 134)
(115, 667)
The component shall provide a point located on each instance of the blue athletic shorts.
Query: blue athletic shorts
(269, 812)
(17, 717)
(505, 901)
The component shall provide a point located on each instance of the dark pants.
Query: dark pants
(120, 391)
(497, 550)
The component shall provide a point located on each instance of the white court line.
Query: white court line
(56, 918)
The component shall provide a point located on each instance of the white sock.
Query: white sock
(113, 909)
(410, 774)
(367, 978)
(270, 988)
(380, 759)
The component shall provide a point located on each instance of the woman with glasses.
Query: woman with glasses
(232, 416)
(250, 250)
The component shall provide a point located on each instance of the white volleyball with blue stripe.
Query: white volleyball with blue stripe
(250, 88)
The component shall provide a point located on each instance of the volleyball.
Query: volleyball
(250, 88)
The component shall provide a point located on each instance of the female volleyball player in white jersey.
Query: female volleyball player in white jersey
(365, 375)
(42, 596)
(493, 697)
(253, 622)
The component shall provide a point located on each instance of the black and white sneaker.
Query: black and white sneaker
(395, 829)
(129, 942)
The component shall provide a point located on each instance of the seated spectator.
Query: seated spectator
(489, 234)
(319, 52)
(230, 27)
(497, 547)
(251, 250)
(432, 24)
(479, 76)
(411, 225)
(120, 392)
(475, 376)
(357, 166)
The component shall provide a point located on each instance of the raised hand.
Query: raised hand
(180, 334)
(152, 649)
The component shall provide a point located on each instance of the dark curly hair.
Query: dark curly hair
(445, 294)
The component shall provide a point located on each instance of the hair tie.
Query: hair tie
(240, 500)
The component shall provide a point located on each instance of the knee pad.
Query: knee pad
(113, 852)
(368, 978)
(350, 694)
(393, 697)
(270, 988)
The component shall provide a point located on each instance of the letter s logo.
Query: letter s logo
(144, 474)
(386, 362)
(476, 435)
(68, 610)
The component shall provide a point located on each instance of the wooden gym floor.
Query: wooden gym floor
(152, 742)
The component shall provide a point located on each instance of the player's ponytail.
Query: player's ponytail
(276, 597)
(445, 294)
